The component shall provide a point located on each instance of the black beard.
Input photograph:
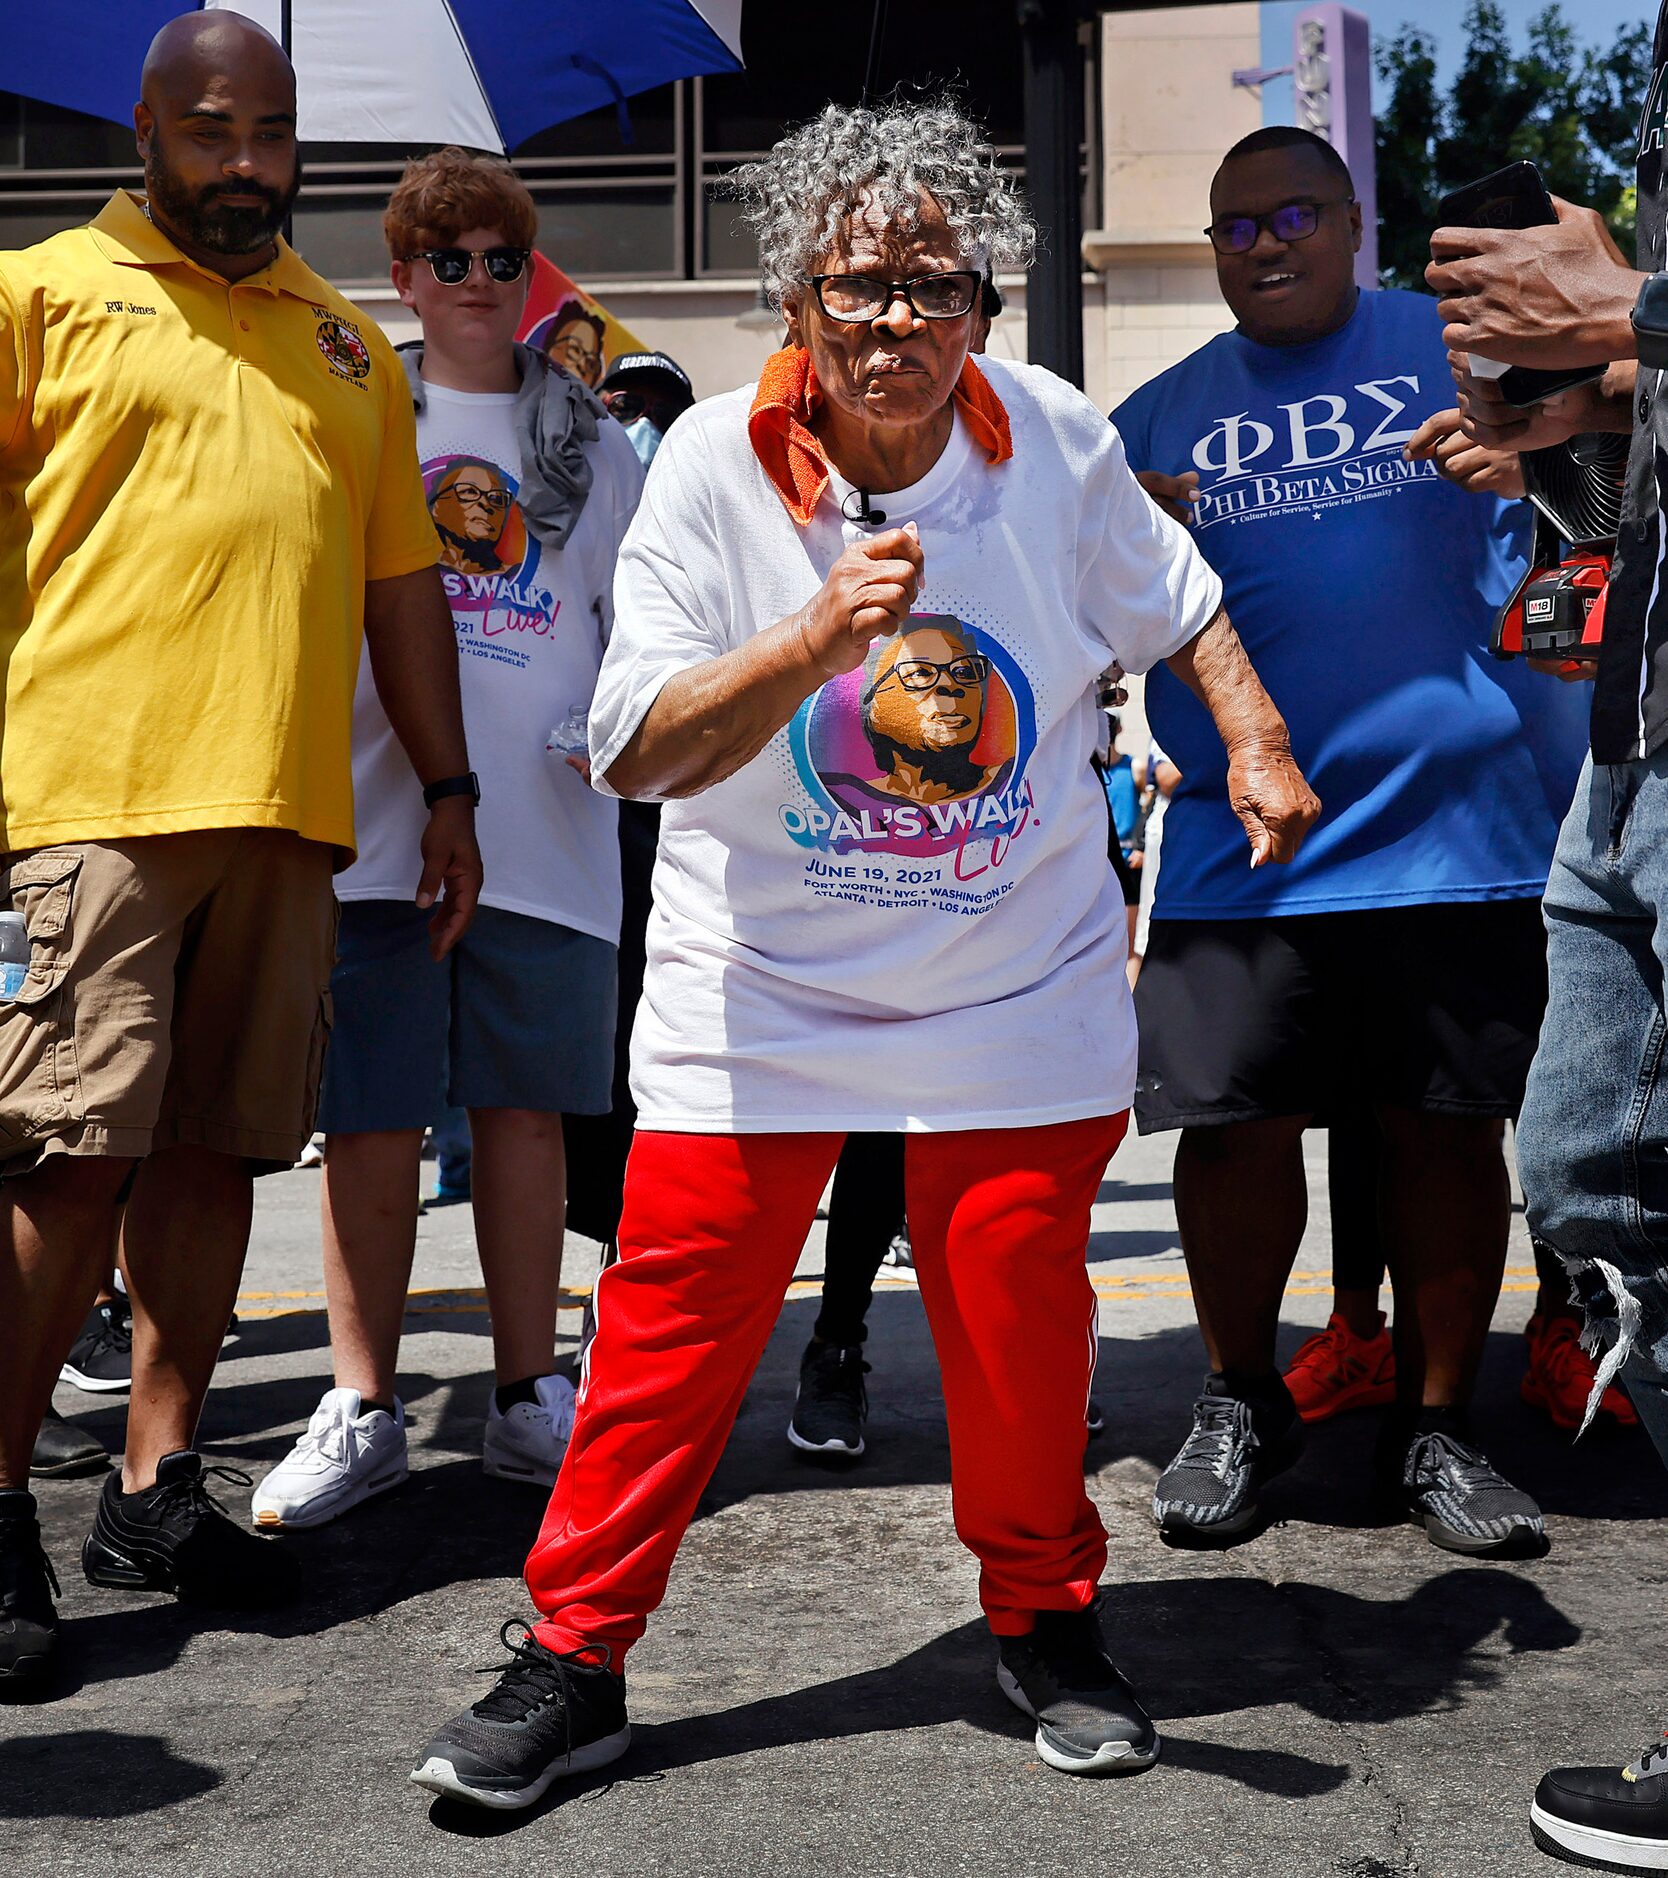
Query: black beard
(218, 229)
(952, 769)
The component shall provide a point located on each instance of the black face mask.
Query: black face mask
(210, 224)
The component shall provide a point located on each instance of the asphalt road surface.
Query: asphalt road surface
(1338, 1699)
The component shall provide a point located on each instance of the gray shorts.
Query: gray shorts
(520, 1016)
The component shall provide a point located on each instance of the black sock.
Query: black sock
(16, 1500)
(508, 1394)
(368, 1405)
(1444, 1420)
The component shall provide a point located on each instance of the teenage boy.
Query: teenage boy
(531, 487)
(1399, 967)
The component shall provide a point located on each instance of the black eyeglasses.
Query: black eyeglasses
(472, 494)
(452, 265)
(1292, 221)
(972, 668)
(860, 298)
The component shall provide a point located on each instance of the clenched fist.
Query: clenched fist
(868, 593)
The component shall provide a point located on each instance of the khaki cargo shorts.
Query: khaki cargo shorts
(178, 991)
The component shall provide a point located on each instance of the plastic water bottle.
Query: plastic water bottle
(14, 955)
(571, 737)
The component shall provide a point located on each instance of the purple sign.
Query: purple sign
(1332, 90)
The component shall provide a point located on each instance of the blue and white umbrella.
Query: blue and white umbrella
(484, 73)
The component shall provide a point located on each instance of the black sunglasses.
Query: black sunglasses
(451, 265)
(860, 298)
(1292, 221)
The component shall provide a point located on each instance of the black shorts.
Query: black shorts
(1420, 1007)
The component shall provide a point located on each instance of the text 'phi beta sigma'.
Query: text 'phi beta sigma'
(1336, 447)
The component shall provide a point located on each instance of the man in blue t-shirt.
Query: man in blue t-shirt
(1398, 966)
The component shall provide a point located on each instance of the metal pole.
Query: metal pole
(284, 26)
(1053, 138)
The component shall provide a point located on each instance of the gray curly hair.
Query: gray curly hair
(798, 199)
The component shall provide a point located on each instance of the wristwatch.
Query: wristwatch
(1650, 322)
(469, 785)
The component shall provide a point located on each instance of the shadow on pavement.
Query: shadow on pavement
(95, 1773)
(1344, 1659)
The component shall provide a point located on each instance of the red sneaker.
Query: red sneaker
(1561, 1375)
(1335, 1371)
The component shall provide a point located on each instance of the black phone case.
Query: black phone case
(1513, 197)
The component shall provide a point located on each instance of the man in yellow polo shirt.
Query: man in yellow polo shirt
(208, 493)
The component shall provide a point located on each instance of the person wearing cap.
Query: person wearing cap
(648, 392)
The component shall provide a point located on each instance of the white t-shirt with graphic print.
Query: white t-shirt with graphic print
(899, 915)
(531, 630)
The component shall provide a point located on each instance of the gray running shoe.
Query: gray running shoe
(1464, 1504)
(1209, 1491)
(1089, 1720)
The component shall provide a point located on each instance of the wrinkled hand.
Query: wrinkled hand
(1556, 297)
(1274, 803)
(868, 593)
(1478, 468)
(451, 869)
(1175, 495)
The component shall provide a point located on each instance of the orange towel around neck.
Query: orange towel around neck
(779, 426)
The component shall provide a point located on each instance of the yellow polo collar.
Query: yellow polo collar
(131, 239)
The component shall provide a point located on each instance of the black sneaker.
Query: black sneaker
(1094, 1419)
(1464, 1505)
(101, 1358)
(1209, 1491)
(62, 1450)
(28, 1617)
(1606, 1818)
(547, 1716)
(175, 1537)
(832, 1404)
(1089, 1720)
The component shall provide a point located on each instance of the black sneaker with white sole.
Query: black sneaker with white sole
(1464, 1504)
(173, 1536)
(1209, 1491)
(28, 1617)
(833, 1404)
(1094, 1419)
(547, 1716)
(101, 1358)
(1089, 1720)
(1606, 1818)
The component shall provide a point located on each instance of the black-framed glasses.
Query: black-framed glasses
(860, 298)
(467, 493)
(452, 265)
(972, 668)
(1292, 221)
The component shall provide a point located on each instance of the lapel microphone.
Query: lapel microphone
(868, 517)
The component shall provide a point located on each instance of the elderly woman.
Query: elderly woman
(921, 937)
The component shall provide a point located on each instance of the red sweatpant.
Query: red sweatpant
(712, 1228)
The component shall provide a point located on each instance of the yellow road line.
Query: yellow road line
(470, 1301)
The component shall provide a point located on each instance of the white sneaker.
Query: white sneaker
(529, 1442)
(343, 1458)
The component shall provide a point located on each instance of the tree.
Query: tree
(1572, 110)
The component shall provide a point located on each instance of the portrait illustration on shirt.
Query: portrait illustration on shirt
(923, 711)
(473, 506)
(921, 749)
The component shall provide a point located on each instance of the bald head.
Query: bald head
(216, 127)
(196, 48)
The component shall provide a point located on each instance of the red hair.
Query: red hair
(442, 195)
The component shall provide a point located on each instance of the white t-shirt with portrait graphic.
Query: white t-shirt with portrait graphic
(899, 915)
(531, 630)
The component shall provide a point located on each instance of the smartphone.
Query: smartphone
(1514, 197)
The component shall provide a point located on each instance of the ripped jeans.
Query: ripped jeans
(1592, 1144)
